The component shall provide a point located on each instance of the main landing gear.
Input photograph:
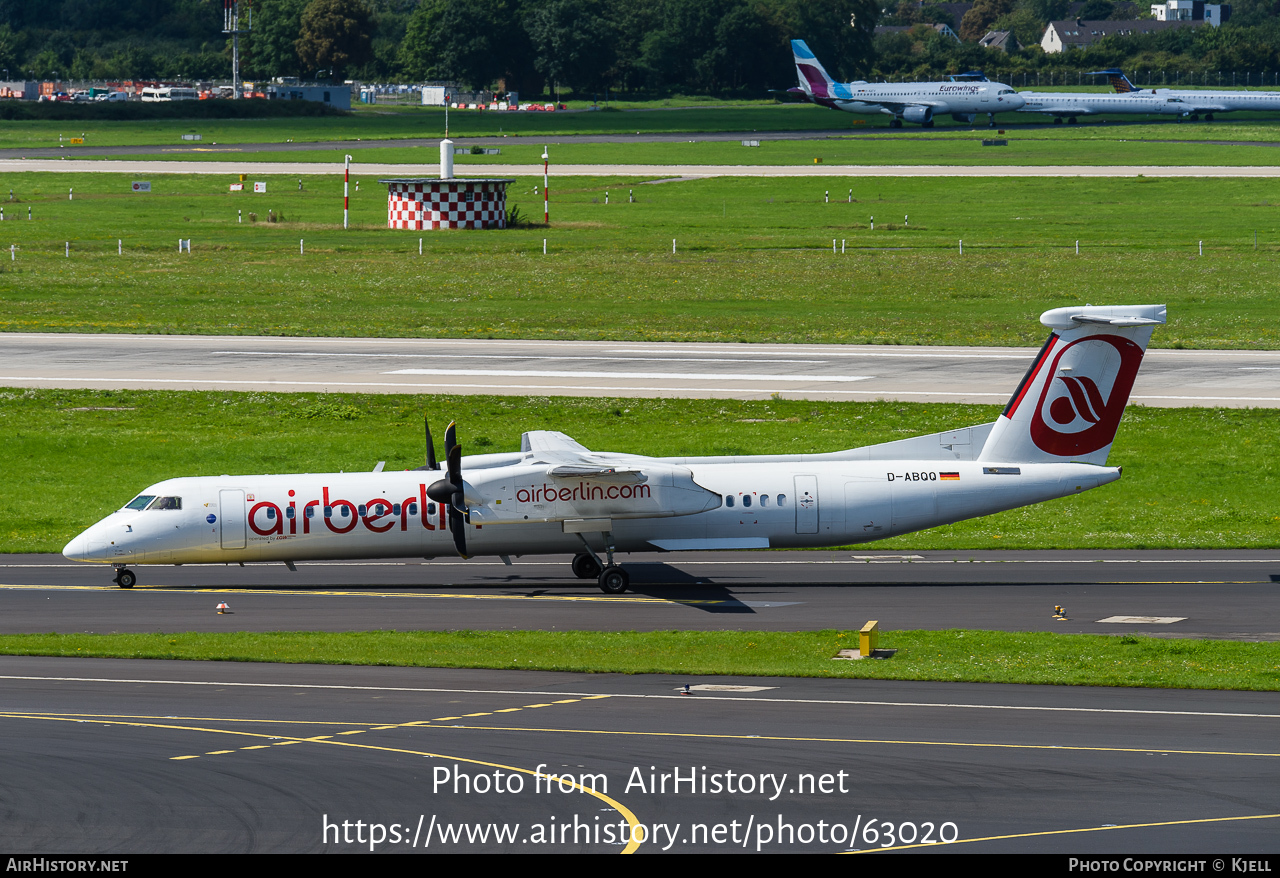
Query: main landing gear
(611, 578)
(125, 578)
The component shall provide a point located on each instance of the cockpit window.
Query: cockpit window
(166, 503)
(141, 501)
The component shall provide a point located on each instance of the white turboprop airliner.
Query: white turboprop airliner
(1194, 102)
(555, 496)
(917, 102)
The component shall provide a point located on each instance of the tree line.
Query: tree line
(586, 47)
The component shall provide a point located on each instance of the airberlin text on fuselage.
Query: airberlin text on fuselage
(379, 515)
(581, 491)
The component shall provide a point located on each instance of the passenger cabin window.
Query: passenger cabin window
(728, 500)
(746, 500)
(764, 499)
(782, 500)
(141, 501)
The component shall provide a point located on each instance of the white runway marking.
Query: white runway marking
(563, 693)
(650, 376)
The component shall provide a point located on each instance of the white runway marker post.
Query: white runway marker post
(346, 198)
(962, 248)
(301, 251)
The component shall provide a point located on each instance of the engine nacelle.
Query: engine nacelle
(918, 115)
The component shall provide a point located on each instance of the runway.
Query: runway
(116, 758)
(1226, 595)
(653, 172)
(632, 369)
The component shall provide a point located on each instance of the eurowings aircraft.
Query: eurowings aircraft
(554, 496)
(1194, 102)
(916, 102)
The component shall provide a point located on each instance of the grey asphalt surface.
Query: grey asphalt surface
(1228, 594)
(495, 366)
(118, 757)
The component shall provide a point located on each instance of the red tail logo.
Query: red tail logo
(1075, 415)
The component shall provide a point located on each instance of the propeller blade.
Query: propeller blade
(459, 530)
(450, 437)
(457, 505)
(431, 445)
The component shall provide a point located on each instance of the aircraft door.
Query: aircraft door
(231, 519)
(867, 507)
(806, 504)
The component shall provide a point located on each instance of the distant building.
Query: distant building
(22, 90)
(943, 29)
(334, 95)
(1004, 40)
(1062, 35)
(1191, 10)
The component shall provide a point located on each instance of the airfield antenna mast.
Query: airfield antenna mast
(231, 25)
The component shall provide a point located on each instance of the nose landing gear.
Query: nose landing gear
(125, 578)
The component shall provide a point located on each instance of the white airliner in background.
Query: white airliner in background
(1070, 105)
(1194, 102)
(554, 496)
(917, 102)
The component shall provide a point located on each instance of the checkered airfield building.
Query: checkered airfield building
(433, 203)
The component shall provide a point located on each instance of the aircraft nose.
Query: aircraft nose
(86, 547)
(77, 549)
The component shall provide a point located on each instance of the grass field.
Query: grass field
(416, 122)
(966, 150)
(950, 656)
(82, 454)
(753, 260)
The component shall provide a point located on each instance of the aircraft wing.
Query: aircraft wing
(550, 441)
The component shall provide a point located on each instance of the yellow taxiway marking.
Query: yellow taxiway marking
(1060, 748)
(906, 847)
(626, 813)
(614, 599)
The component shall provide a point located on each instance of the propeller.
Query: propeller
(431, 445)
(431, 449)
(449, 492)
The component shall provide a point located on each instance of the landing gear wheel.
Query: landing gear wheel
(928, 124)
(1057, 120)
(585, 567)
(895, 123)
(1208, 117)
(614, 580)
(1071, 121)
(125, 578)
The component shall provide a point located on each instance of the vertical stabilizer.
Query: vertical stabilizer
(814, 79)
(1069, 404)
(1117, 79)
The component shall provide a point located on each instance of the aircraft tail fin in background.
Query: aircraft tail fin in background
(814, 79)
(1068, 406)
(1118, 80)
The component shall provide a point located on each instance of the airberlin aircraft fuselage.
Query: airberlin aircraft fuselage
(555, 496)
(388, 514)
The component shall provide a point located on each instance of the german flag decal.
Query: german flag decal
(949, 477)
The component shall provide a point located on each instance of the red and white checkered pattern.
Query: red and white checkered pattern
(449, 204)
